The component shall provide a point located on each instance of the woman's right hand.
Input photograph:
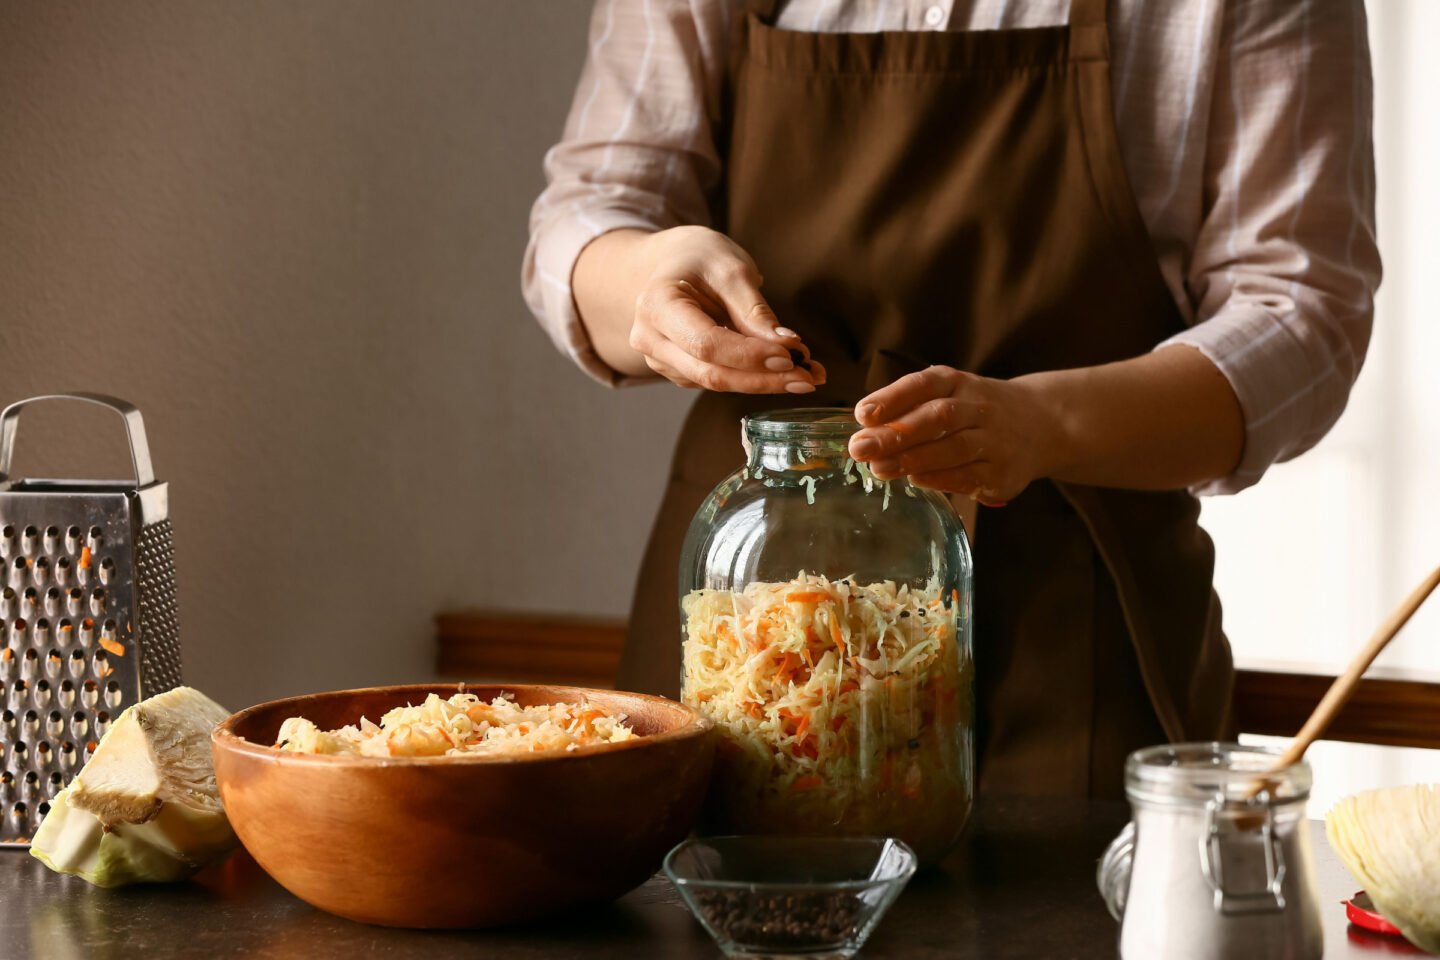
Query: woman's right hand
(701, 322)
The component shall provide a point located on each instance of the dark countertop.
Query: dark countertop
(1021, 885)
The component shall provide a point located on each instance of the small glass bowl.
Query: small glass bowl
(814, 897)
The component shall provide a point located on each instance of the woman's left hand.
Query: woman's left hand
(954, 431)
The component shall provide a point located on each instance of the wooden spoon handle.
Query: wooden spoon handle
(1344, 685)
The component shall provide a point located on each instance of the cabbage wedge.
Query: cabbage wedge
(1390, 840)
(145, 808)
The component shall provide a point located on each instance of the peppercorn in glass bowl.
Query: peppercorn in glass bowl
(813, 897)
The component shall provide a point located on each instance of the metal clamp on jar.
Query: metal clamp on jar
(1206, 870)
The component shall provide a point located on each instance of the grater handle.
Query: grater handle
(134, 426)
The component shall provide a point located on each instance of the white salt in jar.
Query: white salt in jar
(1204, 871)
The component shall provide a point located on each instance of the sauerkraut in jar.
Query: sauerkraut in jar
(827, 634)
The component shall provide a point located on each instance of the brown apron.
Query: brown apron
(959, 198)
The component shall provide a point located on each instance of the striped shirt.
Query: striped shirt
(1244, 126)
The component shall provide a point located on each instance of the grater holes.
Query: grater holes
(7, 540)
(40, 571)
(95, 539)
(7, 722)
(7, 662)
(66, 695)
(9, 602)
(30, 785)
(53, 661)
(52, 539)
(43, 809)
(113, 695)
(63, 569)
(55, 723)
(102, 666)
(19, 814)
(43, 755)
(67, 754)
(18, 568)
(29, 603)
(42, 630)
(29, 661)
(41, 694)
(102, 723)
(7, 784)
(97, 601)
(66, 632)
(90, 694)
(53, 599)
(73, 600)
(72, 539)
(57, 783)
(29, 540)
(77, 664)
(18, 692)
(87, 632)
(18, 752)
(90, 747)
(107, 570)
(31, 724)
(79, 724)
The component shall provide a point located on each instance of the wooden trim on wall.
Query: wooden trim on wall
(490, 646)
(1390, 711)
(487, 646)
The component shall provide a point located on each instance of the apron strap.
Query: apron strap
(764, 10)
(1084, 13)
(1089, 30)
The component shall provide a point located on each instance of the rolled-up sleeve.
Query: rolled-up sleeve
(637, 151)
(1285, 268)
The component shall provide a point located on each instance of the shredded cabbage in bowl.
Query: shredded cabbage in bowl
(462, 725)
(842, 708)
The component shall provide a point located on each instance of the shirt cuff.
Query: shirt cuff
(1257, 353)
(549, 270)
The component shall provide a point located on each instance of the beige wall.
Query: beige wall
(291, 233)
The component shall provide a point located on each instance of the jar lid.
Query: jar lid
(1198, 773)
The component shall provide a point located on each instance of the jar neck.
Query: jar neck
(798, 440)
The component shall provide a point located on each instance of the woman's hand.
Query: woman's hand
(954, 431)
(685, 303)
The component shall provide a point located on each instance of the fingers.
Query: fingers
(737, 284)
(709, 376)
(979, 481)
(674, 312)
(899, 398)
(953, 450)
(932, 420)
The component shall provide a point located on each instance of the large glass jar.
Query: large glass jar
(827, 633)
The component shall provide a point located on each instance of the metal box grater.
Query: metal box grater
(87, 615)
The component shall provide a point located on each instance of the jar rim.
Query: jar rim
(1181, 771)
(802, 423)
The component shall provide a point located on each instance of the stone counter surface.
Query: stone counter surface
(1021, 885)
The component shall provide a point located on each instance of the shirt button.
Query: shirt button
(935, 16)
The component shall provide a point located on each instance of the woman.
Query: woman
(1076, 262)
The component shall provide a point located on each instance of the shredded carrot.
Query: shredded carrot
(802, 727)
(802, 784)
(848, 685)
(787, 668)
(835, 635)
(113, 646)
(85, 558)
(807, 596)
(837, 723)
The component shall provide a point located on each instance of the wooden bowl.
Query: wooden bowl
(462, 841)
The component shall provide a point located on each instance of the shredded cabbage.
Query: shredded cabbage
(840, 706)
(464, 724)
